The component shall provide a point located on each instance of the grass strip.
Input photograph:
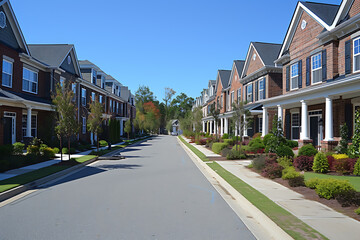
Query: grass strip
(288, 222)
(195, 150)
(354, 180)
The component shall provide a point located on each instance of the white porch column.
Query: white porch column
(221, 126)
(226, 125)
(211, 130)
(236, 128)
(329, 129)
(203, 123)
(28, 123)
(304, 121)
(280, 113)
(245, 126)
(265, 124)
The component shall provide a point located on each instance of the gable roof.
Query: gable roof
(224, 77)
(324, 14)
(9, 12)
(239, 65)
(54, 55)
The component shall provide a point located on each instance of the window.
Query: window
(83, 96)
(102, 82)
(83, 125)
(101, 99)
(114, 107)
(295, 125)
(239, 95)
(117, 107)
(294, 83)
(261, 89)
(316, 73)
(110, 108)
(249, 93)
(232, 99)
(7, 70)
(73, 88)
(33, 125)
(62, 81)
(260, 124)
(94, 75)
(356, 55)
(30, 81)
(93, 96)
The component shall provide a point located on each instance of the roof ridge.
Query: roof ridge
(330, 4)
(51, 44)
(268, 43)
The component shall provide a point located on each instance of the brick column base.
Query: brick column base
(328, 146)
(305, 142)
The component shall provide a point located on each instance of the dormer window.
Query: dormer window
(94, 76)
(356, 55)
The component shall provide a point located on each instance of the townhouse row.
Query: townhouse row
(30, 74)
(311, 80)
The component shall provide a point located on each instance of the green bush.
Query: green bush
(235, 155)
(321, 164)
(225, 152)
(259, 162)
(103, 143)
(33, 149)
(48, 153)
(357, 211)
(66, 151)
(289, 172)
(56, 150)
(256, 144)
(225, 136)
(6, 150)
(292, 144)
(285, 161)
(298, 181)
(331, 188)
(267, 138)
(18, 148)
(229, 141)
(217, 147)
(307, 150)
(357, 168)
(312, 183)
(284, 151)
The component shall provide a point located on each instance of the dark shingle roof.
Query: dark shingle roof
(212, 82)
(239, 65)
(268, 52)
(225, 77)
(326, 12)
(50, 54)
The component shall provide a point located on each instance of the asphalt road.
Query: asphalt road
(157, 192)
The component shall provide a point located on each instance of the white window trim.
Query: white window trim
(291, 77)
(313, 70)
(83, 96)
(260, 91)
(22, 128)
(248, 94)
(93, 96)
(353, 51)
(12, 71)
(37, 82)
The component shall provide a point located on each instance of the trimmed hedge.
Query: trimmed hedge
(217, 147)
(307, 150)
(229, 141)
(284, 151)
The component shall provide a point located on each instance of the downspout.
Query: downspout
(78, 106)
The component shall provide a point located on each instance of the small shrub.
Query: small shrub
(272, 171)
(292, 144)
(357, 168)
(284, 151)
(289, 172)
(259, 162)
(340, 156)
(225, 152)
(103, 143)
(321, 164)
(66, 151)
(229, 141)
(48, 153)
(331, 160)
(36, 141)
(357, 211)
(18, 148)
(343, 165)
(267, 138)
(6, 150)
(56, 150)
(256, 144)
(33, 149)
(348, 198)
(202, 141)
(312, 183)
(304, 163)
(235, 155)
(307, 150)
(225, 136)
(217, 147)
(331, 188)
(285, 162)
(298, 181)
(271, 157)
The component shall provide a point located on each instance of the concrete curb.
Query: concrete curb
(31, 185)
(260, 225)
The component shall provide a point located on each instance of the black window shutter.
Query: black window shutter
(252, 94)
(348, 57)
(264, 92)
(288, 125)
(300, 75)
(256, 125)
(324, 69)
(256, 90)
(308, 70)
(288, 78)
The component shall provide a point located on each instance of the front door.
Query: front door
(314, 129)
(9, 128)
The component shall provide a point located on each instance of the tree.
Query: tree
(95, 119)
(215, 113)
(240, 120)
(197, 116)
(143, 95)
(140, 120)
(180, 106)
(67, 126)
(355, 147)
(152, 117)
(277, 139)
(344, 134)
(128, 127)
(169, 93)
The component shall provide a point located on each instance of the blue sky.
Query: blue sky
(175, 43)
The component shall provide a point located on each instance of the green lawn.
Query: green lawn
(355, 181)
(288, 222)
(195, 150)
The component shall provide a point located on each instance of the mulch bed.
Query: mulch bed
(311, 195)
